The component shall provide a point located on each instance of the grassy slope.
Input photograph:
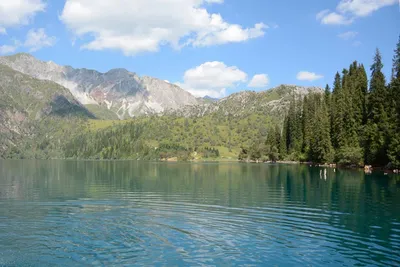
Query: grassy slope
(102, 112)
(215, 130)
(95, 125)
(225, 134)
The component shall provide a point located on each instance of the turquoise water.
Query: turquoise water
(178, 214)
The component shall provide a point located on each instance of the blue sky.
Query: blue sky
(212, 47)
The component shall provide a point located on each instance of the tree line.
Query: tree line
(355, 123)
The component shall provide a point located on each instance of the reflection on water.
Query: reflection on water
(111, 213)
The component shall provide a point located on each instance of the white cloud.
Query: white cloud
(3, 30)
(7, 49)
(322, 14)
(19, 12)
(214, 93)
(308, 76)
(145, 25)
(348, 35)
(226, 33)
(35, 39)
(349, 10)
(362, 8)
(11, 48)
(334, 18)
(259, 81)
(38, 39)
(212, 79)
(215, 1)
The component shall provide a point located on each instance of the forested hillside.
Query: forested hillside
(163, 137)
(218, 133)
(215, 130)
(353, 124)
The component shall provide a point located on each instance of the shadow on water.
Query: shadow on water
(119, 212)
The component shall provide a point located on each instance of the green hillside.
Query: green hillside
(32, 110)
(167, 137)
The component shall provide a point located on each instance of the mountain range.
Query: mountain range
(24, 101)
(43, 105)
(117, 93)
(120, 94)
(273, 102)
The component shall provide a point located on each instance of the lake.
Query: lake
(189, 214)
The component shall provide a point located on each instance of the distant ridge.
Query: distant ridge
(118, 90)
(273, 102)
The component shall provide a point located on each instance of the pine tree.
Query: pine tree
(395, 83)
(283, 142)
(361, 94)
(298, 123)
(350, 107)
(327, 95)
(307, 124)
(396, 62)
(394, 135)
(328, 103)
(321, 150)
(273, 144)
(294, 128)
(291, 128)
(378, 121)
(338, 113)
(271, 138)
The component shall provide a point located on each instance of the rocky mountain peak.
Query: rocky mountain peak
(118, 90)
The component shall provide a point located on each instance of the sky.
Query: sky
(208, 47)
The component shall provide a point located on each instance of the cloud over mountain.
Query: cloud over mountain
(146, 25)
(212, 79)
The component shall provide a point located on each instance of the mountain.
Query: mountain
(25, 102)
(210, 99)
(41, 118)
(273, 102)
(117, 93)
(219, 129)
(213, 130)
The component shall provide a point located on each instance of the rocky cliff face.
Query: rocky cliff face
(25, 101)
(117, 90)
(273, 102)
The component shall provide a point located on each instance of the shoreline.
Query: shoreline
(283, 162)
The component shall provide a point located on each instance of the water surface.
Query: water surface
(174, 214)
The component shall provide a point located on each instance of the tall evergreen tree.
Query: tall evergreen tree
(294, 127)
(328, 102)
(321, 150)
(378, 121)
(284, 139)
(350, 106)
(307, 121)
(394, 136)
(361, 124)
(362, 91)
(327, 95)
(338, 113)
(396, 62)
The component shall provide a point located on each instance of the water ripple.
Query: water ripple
(171, 222)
